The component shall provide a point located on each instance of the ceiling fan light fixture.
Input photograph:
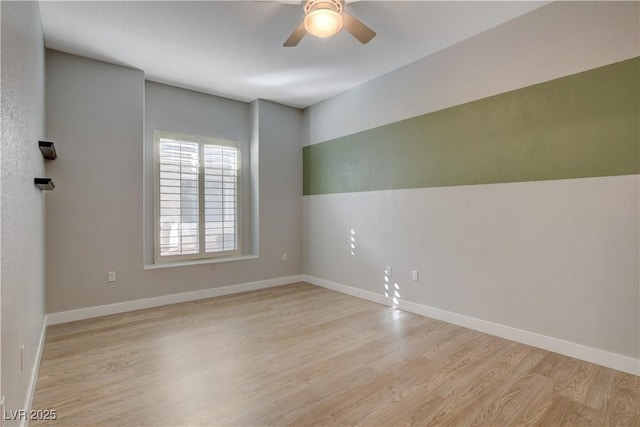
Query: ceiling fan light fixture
(323, 22)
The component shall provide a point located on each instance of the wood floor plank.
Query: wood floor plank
(566, 412)
(623, 408)
(303, 355)
(524, 403)
(473, 396)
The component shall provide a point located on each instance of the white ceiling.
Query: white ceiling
(234, 48)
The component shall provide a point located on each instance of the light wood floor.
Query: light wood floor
(302, 355)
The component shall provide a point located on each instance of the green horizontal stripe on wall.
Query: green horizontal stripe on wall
(582, 125)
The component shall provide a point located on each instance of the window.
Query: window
(197, 197)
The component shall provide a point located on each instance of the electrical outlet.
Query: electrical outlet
(387, 271)
(112, 276)
(22, 357)
(414, 275)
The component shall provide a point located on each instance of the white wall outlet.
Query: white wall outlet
(414, 275)
(284, 256)
(112, 276)
(387, 271)
(22, 357)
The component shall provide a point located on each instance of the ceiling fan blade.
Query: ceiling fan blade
(296, 36)
(360, 31)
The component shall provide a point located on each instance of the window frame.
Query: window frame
(202, 254)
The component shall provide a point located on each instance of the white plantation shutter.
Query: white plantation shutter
(179, 200)
(220, 198)
(196, 198)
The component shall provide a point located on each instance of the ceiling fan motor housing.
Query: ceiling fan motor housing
(335, 5)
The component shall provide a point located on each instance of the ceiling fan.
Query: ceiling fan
(325, 18)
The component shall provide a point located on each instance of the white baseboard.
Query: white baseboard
(556, 345)
(122, 307)
(349, 290)
(33, 380)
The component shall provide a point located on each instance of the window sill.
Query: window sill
(198, 262)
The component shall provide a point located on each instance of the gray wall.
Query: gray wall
(280, 196)
(95, 112)
(22, 207)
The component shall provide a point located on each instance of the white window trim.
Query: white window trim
(202, 255)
